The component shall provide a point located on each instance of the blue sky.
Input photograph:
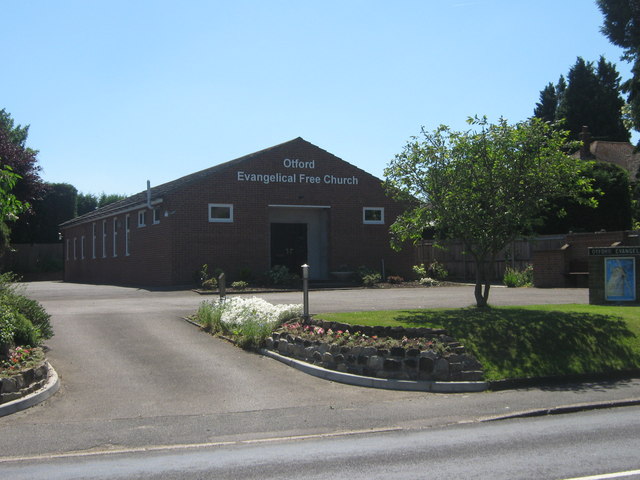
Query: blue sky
(120, 91)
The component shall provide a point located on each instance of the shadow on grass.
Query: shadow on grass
(521, 343)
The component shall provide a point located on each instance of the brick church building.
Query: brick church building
(290, 204)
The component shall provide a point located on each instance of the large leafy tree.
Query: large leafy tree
(22, 159)
(10, 206)
(614, 211)
(57, 205)
(589, 96)
(86, 202)
(622, 28)
(485, 186)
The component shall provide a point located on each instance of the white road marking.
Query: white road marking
(608, 475)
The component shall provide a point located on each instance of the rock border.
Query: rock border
(34, 393)
(382, 383)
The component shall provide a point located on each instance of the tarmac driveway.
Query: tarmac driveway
(134, 373)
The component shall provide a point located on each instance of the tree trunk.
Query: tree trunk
(481, 280)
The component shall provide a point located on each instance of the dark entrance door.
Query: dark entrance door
(289, 245)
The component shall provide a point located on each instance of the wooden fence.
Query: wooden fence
(34, 261)
(518, 255)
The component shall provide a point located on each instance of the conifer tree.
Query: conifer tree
(589, 96)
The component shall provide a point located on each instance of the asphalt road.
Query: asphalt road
(555, 447)
(135, 374)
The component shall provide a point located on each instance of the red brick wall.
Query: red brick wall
(548, 268)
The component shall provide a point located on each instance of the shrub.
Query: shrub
(246, 275)
(32, 310)
(518, 278)
(16, 329)
(395, 279)
(371, 279)
(209, 317)
(239, 285)
(428, 282)
(209, 284)
(250, 321)
(436, 270)
(419, 271)
(26, 334)
(279, 275)
(12, 297)
(200, 276)
(364, 271)
(7, 328)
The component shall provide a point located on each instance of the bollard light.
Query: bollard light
(222, 288)
(305, 291)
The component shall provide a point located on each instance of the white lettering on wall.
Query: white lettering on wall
(295, 163)
(302, 178)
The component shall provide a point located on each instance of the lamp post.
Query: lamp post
(305, 291)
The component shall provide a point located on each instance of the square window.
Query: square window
(220, 212)
(373, 215)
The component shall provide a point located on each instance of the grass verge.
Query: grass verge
(531, 341)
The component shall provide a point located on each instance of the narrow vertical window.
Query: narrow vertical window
(142, 218)
(93, 240)
(82, 247)
(156, 216)
(67, 255)
(115, 237)
(104, 239)
(75, 248)
(127, 235)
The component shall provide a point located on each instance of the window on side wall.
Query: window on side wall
(373, 215)
(142, 218)
(127, 235)
(115, 237)
(93, 240)
(104, 239)
(156, 216)
(220, 212)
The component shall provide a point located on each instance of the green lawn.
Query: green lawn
(531, 341)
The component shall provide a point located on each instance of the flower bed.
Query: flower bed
(397, 353)
(24, 372)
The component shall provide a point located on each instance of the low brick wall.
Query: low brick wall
(397, 363)
(23, 383)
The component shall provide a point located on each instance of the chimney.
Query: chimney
(585, 137)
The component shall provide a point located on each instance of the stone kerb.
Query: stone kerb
(397, 363)
(23, 383)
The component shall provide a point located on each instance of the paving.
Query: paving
(133, 373)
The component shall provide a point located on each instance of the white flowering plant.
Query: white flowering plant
(248, 320)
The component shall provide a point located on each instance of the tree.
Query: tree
(614, 211)
(590, 96)
(547, 107)
(86, 202)
(10, 206)
(106, 199)
(622, 28)
(22, 160)
(58, 204)
(484, 187)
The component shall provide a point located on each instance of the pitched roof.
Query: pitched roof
(140, 199)
(620, 153)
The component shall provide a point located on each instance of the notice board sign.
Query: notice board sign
(620, 279)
